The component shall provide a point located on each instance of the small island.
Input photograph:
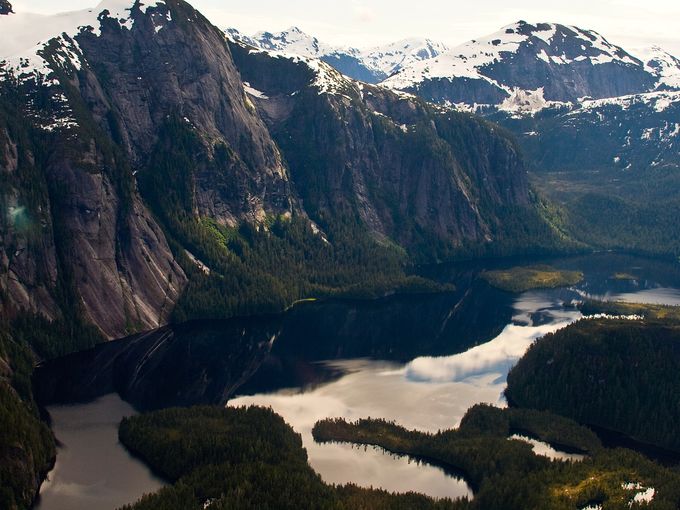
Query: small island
(523, 278)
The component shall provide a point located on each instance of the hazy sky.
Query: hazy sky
(630, 23)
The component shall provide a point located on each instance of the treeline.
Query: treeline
(506, 474)
(245, 458)
(27, 447)
(623, 376)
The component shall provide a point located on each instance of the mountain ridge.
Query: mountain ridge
(172, 171)
(372, 64)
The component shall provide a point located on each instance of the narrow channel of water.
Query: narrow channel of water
(93, 470)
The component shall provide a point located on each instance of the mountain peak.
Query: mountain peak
(5, 7)
(371, 64)
(573, 63)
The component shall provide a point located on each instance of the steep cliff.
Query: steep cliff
(431, 180)
(136, 160)
(80, 122)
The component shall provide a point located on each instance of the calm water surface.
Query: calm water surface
(426, 392)
(93, 470)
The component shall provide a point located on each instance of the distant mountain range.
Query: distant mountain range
(540, 80)
(520, 67)
(371, 65)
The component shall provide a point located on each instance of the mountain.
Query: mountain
(88, 112)
(663, 65)
(135, 157)
(370, 65)
(154, 172)
(423, 178)
(544, 62)
(583, 87)
(634, 133)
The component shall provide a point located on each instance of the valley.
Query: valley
(266, 271)
(429, 389)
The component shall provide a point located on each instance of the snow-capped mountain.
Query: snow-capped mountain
(370, 65)
(528, 66)
(661, 64)
(5, 7)
(27, 36)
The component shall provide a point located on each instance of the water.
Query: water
(422, 361)
(544, 449)
(93, 470)
(431, 393)
(427, 393)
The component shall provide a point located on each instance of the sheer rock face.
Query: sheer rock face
(407, 170)
(100, 120)
(173, 62)
(74, 140)
(115, 255)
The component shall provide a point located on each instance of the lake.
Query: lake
(421, 360)
(93, 469)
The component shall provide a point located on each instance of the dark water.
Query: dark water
(421, 360)
(93, 470)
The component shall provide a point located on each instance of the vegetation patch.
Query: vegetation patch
(621, 308)
(508, 475)
(245, 458)
(521, 279)
(620, 375)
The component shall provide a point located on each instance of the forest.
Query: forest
(242, 458)
(250, 458)
(506, 474)
(620, 375)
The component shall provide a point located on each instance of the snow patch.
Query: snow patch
(254, 92)
(26, 36)
(525, 101)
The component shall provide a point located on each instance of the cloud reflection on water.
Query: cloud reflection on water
(427, 394)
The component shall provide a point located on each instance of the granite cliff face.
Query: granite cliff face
(174, 63)
(74, 136)
(412, 173)
(141, 108)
